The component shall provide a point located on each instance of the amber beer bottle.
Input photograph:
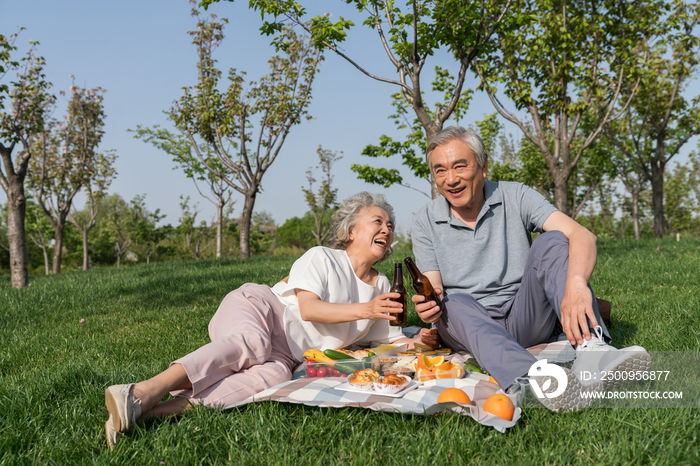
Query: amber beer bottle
(401, 320)
(421, 284)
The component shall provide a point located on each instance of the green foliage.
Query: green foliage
(29, 94)
(409, 35)
(660, 119)
(489, 129)
(564, 70)
(681, 197)
(298, 232)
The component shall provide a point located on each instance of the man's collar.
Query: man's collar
(492, 196)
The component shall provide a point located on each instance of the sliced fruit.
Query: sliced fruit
(492, 380)
(427, 363)
(447, 365)
(424, 375)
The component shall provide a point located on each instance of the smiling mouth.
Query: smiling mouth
(456, 190)
(380, 242)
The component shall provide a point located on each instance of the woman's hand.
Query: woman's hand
(382, 308)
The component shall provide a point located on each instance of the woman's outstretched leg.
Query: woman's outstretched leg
(131, 403)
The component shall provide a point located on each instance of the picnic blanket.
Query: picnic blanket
(322, 391)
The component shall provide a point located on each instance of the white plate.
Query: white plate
(346, 387)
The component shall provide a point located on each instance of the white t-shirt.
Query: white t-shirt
(329, 274)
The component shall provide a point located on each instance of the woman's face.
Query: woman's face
(372, 234)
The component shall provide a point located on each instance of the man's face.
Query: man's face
(458, 176)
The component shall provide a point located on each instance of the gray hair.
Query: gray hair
(345, 218)
(451, 133)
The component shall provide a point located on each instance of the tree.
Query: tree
(571, 60)
(197, 237)
(147, 233)
(224, 121)
(40, 231)
(297, 232)
(69, 160)
(121, 220)
(409, 36)
(29, 98)
(661, 120)
(180, 148)
(96, 186)
(326, 199)
(681, 201)
(635, 183)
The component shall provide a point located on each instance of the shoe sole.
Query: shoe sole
(113, 410)
(113, 437)
(571, 400)
(635, 361)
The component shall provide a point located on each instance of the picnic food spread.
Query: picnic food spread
(421, 363)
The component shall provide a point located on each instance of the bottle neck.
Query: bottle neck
(398, 275)
(412, 269)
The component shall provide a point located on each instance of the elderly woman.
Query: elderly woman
(333, 298)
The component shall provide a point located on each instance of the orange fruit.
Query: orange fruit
(449, 370)
(454, 394)
(492, 380)
(447, 365)
(500, 405)
(426, 363)
(424, 375)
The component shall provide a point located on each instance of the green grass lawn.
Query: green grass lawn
(68, 337)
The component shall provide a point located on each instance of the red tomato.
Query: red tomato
(311, 372)
(322, 372)
(333, 372)
(310, 363)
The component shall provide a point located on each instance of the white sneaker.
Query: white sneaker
(571, 398)
(608, 367)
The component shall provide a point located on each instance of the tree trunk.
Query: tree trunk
(119, 259)
(86, 264)
(16, 234)
(430, 133)
(219, 228)
(44, 249)
(59, 227)
(58, 249)
(561, 193)
(657, 197)
(635, 213)
(246, 215)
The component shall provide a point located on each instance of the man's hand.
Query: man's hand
(429, 337)
(575, 307)
(428, 312)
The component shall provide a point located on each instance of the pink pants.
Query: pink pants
(248, 352)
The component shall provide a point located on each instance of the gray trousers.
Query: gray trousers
(498, 335)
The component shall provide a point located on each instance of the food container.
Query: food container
(339, 368)
(456, 371)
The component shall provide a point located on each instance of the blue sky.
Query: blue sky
(139, 51)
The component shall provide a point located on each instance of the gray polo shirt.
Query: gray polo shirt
(486, 262)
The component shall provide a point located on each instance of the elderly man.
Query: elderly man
(502, 295)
